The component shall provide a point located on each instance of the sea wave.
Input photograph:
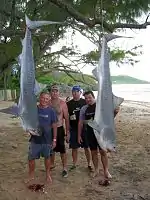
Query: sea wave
(134, 92)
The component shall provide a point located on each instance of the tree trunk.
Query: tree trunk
(5, 86)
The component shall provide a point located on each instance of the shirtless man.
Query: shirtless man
(62, 114)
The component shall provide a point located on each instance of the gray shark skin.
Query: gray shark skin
(117, 101)
(27, 102)
(37, 88)
(106, 102)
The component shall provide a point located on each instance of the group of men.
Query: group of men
(62, 122)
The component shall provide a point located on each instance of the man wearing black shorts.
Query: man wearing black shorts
(62, 114)
(74, 107)
(87, 113)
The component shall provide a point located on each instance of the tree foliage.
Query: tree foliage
(89, 17)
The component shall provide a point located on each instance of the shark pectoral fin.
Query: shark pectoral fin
(117, 101)
(13, 110)
(94, 125)
(37, 88)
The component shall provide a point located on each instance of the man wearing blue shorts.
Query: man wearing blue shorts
(43, 145)
(74, 107)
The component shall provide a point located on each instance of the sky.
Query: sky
(139, 37)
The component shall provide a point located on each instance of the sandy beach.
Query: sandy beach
(130, 166)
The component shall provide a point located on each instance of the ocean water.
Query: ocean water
(134, 92)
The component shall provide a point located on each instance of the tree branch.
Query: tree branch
(131, 26)
(12, 16)
(92, 22)
(78, 16)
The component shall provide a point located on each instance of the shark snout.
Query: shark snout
(108, 139)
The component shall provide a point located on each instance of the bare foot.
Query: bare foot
(49, 180)
(95, 173)
(107, 175)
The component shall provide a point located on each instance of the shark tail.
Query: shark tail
(35, 24)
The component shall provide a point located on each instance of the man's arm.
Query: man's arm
(66, 117)
(54, 126)
(80, 128)
(80, 123)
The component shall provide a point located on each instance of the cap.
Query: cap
(76, 88)
(54, 87)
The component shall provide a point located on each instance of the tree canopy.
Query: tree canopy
(89, 17)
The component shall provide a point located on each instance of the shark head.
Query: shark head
(105, 143)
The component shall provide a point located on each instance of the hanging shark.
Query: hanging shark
(27, 102)
(106, 102)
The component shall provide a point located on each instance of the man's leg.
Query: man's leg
(46, 151)
(87, 152)
(62, 150)
(31, 169)
(34, 153)
(74, 146)
(95, 161)
(47, 167)
(63, 156)
(104, 159)
(74, 157)
(64, 160)
(88, 158)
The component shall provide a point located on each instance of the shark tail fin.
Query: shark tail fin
(35, 24)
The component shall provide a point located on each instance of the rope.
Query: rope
(102, 17)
